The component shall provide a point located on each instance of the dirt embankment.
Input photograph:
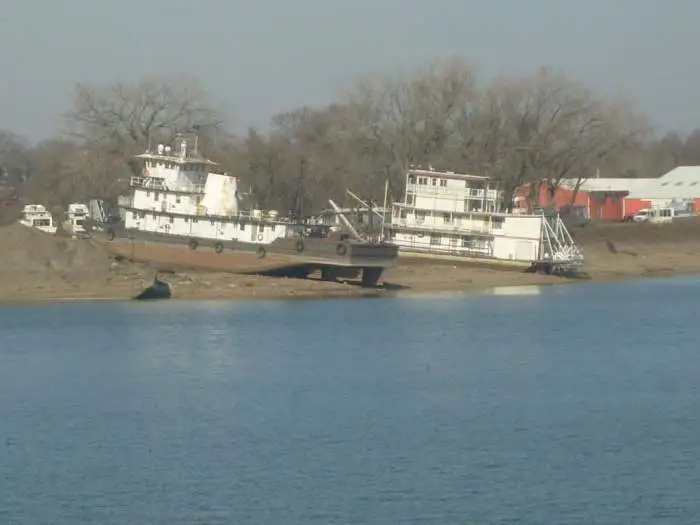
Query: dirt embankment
(36, 266)
(618, 250)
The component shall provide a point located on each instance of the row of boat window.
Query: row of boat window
(212, 222)
(434, 181)
(156, 197)
(448, 218)
(466, 241)
(470, 204)
(177, 165)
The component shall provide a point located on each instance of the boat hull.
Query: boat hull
(283, 257)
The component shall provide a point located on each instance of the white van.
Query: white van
(654, 215)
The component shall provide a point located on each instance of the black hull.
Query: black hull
(284, 257)
(329, 250)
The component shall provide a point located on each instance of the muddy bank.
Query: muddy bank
(39, 267)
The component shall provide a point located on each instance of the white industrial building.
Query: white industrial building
(679, 188)
(599, 184)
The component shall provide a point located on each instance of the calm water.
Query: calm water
(578, 405)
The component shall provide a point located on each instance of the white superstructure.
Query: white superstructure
(178, 193)
(447, 214)
(77, 213)
(37, 216)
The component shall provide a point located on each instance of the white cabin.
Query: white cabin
(179, 194)
(37, 216)
(458, 215)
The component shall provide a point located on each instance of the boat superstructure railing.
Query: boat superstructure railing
(158, 184)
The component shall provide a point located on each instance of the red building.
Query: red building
(603, 199)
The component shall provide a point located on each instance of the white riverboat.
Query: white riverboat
(453, 216)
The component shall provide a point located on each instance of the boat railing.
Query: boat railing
(445, 227)
(453, 192)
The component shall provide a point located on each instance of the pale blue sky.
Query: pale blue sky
(259, 57)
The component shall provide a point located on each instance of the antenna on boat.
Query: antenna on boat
(196, 138)
(386, 197)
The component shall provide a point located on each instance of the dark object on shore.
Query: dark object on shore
(158, 290)
(612, 248)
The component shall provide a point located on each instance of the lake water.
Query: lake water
(580, 404)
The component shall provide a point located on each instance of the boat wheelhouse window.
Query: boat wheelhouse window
(411, 179)
(410, 198)
(443, 182)
(423, 180)
(446, 218)
(211, 222)
(435, 239)
(133, 215)
(403, 214)
(272, 227)
(262, 228)
(172, 219)
(156, 196)
(242, 226)
(498, 221)
(433, 181)
(177, 199)
(142, 214)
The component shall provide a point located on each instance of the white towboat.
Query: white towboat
(181, 199)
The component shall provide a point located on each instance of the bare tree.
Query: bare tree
(127, 116)
(413, 119)
(546, 128)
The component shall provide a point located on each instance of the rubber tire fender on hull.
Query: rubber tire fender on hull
(218, 247)
(193, 244)
(341, 249)
(110, 234)
(299, 246)
(260, 253)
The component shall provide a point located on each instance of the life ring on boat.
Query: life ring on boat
(193, 244)
(218, 247)
(341, 249)
(260, 237)
(260, 253)
(299, 246)
(110, 234)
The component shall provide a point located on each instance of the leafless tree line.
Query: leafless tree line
(540, 128)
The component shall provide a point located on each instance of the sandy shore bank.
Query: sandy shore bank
(36, 268)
